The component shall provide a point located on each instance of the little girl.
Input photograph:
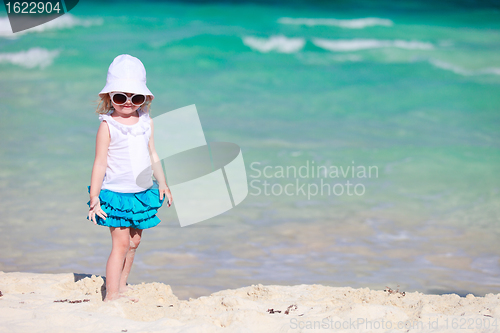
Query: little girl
(123, 195)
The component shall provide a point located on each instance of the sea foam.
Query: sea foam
(278, 43)
(63, 22)
(34, 57)
(346, 45)
(462, 71)
(350, 24)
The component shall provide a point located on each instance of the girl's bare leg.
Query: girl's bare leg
(135, 240)
(121, 244)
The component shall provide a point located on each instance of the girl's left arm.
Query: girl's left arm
(157, 169)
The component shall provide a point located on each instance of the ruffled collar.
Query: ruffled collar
(137, 129)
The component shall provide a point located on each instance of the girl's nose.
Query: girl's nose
(129, 101)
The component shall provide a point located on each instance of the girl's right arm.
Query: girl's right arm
(99, 170)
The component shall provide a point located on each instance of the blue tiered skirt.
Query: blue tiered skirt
(134, 210)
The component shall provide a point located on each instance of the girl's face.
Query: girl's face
(126, 109)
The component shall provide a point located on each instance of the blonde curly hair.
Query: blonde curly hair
(104, 104)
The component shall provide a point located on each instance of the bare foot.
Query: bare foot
(126, 288)
(121, 296)
(130, 298)
(111, 298)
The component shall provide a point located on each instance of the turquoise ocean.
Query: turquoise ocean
(407, 90)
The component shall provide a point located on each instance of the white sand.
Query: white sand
(27, 305)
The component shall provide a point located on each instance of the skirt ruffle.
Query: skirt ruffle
(134, 210)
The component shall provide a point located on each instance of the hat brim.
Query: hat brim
(128, 87)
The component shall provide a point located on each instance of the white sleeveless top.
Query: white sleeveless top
(129, 164)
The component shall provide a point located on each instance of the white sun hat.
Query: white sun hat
(126, 74)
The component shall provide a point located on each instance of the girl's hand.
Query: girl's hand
(164, 190)
(95, 208)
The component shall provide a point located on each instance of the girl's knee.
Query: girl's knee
(120, 240)
(135, 241)
(135, 238)
(120, 248)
